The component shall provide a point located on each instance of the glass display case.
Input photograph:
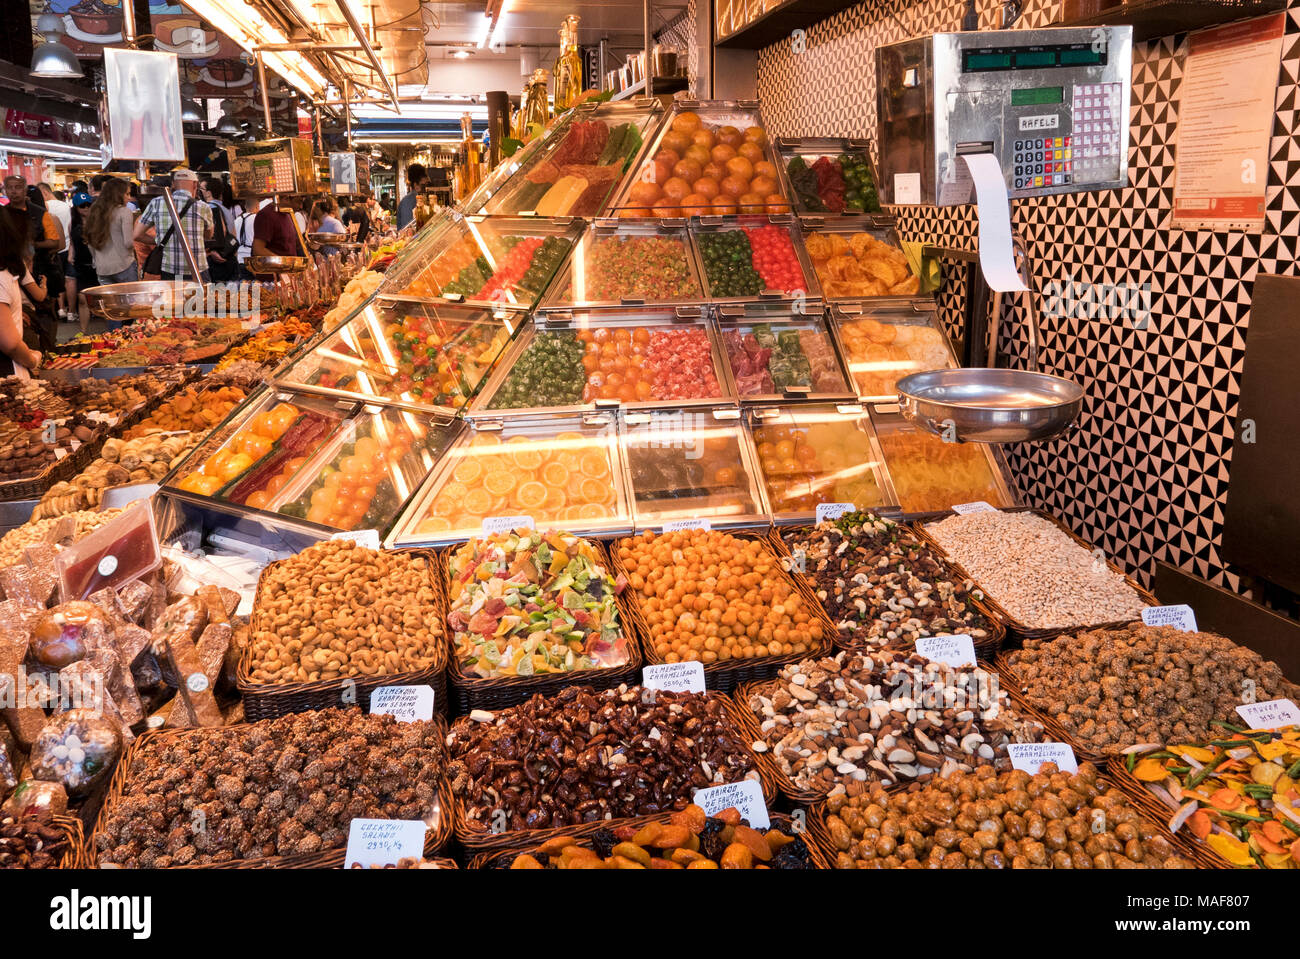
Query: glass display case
(576, 168)
(487, 262)
(610, 358)
(928, 474)
(883, 345)
(710, 157)
(829, 175)
(619, 263)
(419, 355)
(562, 470)
(775, 353)
(817, 453)
(748, 258)
(857, 258)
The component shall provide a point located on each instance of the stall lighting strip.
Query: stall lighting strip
(250, 30)
(53, 151)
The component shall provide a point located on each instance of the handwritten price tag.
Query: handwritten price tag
(955, 650)
(679, 524)
(381, 842)
(961, 509)
(746, 796)
(674, 677)
(1180, 616)
(506, 524)
(406, 703)
(369, 538)
(1030, 756)
(829, 511)
(1273, 714)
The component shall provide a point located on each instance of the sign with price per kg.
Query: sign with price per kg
(1273, 714)
(506, 524)
(1180, 616)
(1030, 756)
(368, 538)
(681, 524)
(955, 650)
(828, 511)
(674, 677)
(382, 842)
(405, 703)
(961, 509)
(746, 796)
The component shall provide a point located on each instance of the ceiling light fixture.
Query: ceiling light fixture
(461, 55)
(250, 29)
(51, 59)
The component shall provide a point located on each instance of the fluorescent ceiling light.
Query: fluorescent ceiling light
(420, 111)
(250, 29)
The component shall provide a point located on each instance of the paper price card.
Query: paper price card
(382, 842)
(674, 677)
(827, 511)
(1180, 616)
(1030, 756)
(406, 703)
(679, 524)
(955, 650)
(1273, 714)
(506, 524)
(746, 796)
(961, 509)
(369, 538)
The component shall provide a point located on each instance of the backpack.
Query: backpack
(222, 242)
(244, 234)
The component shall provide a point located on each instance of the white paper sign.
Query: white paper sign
(674, 677)
(957, 649)
(369, 538)
(381, 842)
(506, 524)
(827, 511)
(746, 796)
(907, 188)
(1273, 714)
(406, 703)
(1030, 756)
(961, 509)
(679, 524)
(1180, 616)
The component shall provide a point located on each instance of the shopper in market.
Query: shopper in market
(250, 206)
(354, 212)
(82, 276)
(324, 220)
(42, 238)
(61, 210)
(223, 248)
(274, 232)
(16, 357)
(109, 231)
(416, 177)
(196, 220)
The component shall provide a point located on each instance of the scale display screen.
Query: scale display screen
(1034, 96)
(1047, 57)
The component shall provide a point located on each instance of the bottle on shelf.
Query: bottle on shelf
(536, 109)
(568, 66)
(468, 172)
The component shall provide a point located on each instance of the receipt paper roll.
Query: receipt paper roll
(994, 212)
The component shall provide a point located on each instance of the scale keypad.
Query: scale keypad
(1098, 113)
(1043, 161)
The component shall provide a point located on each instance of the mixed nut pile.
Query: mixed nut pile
(838, 724)
(1109, 689)
(882, 585)
(31, 844)
(581, 756)
(991, 820)
(1037, 573)
(278, 787)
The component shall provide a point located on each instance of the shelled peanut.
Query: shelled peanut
(713, 597)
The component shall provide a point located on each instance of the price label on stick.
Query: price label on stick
(369, 538)
(406, 703)
(1030, 756)
(955, 650)
(1180, 616)
(829, 511)
(506, 524)
(746, 796)
(382, 842)
(679, 524)
(674, 677)
(1273, 714)
(961, 509)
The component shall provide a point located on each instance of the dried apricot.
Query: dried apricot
(670, 837)
(737, 856)
(648, 833)
(753, 840)
(525, 862)
(633, 852)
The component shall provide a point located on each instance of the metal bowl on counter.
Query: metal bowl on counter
(277, 264)
(990, 405)
(138, 300)
(329, 239)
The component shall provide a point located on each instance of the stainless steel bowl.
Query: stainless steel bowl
(139, 300)
(990, 406)
(277, 264)
(329, 239)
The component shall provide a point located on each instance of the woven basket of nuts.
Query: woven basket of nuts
(1038, 575)
(336, 622)
(471, 689)
(1055, 731)
(587, 759)
(269, 767)
(51, 843)
(1157, 812)
(770, 622)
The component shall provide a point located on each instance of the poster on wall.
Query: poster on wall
(1225, 116)
(144, 105)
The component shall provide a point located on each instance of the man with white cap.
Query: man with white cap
(196, 220)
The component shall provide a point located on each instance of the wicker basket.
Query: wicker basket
(984, 649)
(268, 700)
(1018, 632)
(335, 861)
(726, 676)
(476, 837)
(434, 841)
(1195, 849)
(494, 859)
(474, 692)
(1055, 730)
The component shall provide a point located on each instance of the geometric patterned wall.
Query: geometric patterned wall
(1145, 476)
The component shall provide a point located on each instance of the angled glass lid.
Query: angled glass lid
(619, 263)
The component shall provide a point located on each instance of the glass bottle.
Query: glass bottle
(536, 107)
(468, 170)
(568, 66)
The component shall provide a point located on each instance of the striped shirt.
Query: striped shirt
(197, 223)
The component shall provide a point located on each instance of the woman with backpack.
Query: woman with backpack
(223, 265)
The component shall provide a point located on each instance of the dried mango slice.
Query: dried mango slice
(1225, 798)
(1150, 771)
(1199, 753)
(1231, 849)
(1274, 750)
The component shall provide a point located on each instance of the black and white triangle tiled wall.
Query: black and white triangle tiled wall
(1145, 475)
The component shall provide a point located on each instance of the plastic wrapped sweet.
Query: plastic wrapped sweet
(35, 797)
(64, 634)
(77, 749)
